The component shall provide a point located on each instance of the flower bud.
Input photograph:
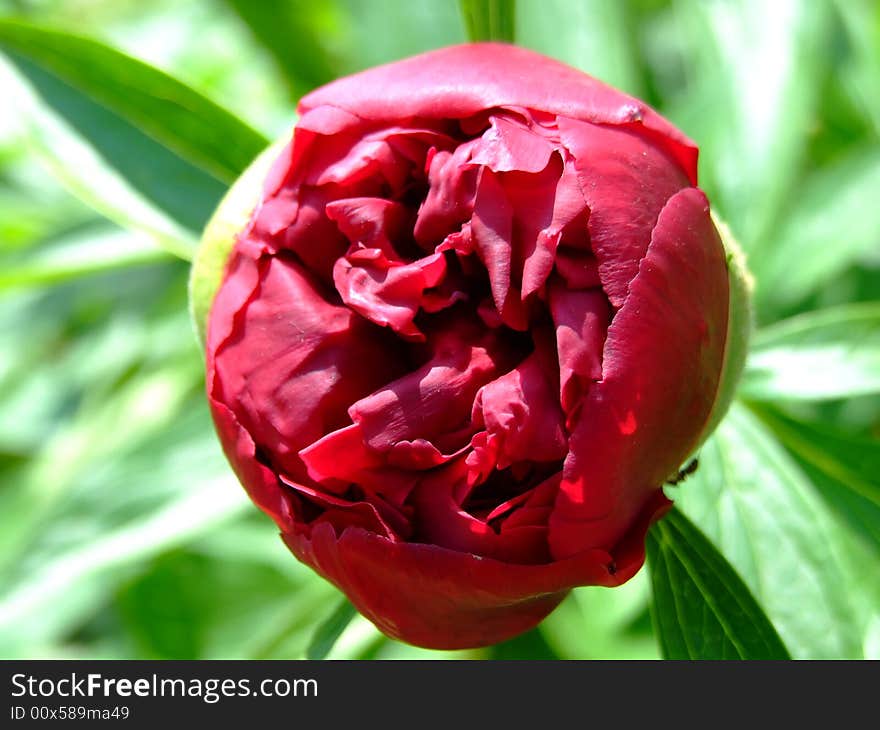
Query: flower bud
(461, 328)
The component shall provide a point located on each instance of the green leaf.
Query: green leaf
(851, 459)
(32, 214)
(191, 515)
(752, 73)
(834, 222)
(371, 32)
(330, 630)
(596, 37)
(831, 353)
(63, 349)
(177, 487)
(818, 584)
(701, 607)
(123, 463)
(304, 62)
(265, 603)
(170, 112)
(845, 467)
(862, 22)
(79, 254)
(209, 601)
(489, 20)
(107, 163)
(139, 147)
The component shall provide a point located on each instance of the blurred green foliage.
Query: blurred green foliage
(122, 530)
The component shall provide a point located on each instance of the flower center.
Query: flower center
(436, 316)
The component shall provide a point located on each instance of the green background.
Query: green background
(122, 531)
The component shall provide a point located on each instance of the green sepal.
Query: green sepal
(740, 324)
(218, 238)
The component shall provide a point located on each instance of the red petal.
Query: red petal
(440, 520)
(581, 319)
(661, 367)
(579, 269)
(343, 513)
(462, 81)
(259, 480)
(435, 400)
(371, 222)
(342, 458)
(389, 295)
(535, 228)
(389, 153)
(450, 199)
(536, 507)
(314, 238)
(327, 120)
(569, 207)
(438, 598)
(492, 235)
(292, 362)
(510, 144)
(626, 180)
(522, 411)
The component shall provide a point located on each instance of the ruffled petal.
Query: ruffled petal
(534, 199)
(314, 238)
(450, 199)
(581, 318)
(510, 144)
(388, 293)
(521, 410)
(345, 513)
(626, 180)
(433, 402)
(568, 225)
(372, 223)
(463, 81)
(259, 480)
(292, 362)
(492, 234)
(342, 458)
(578, 269)
(441, 520)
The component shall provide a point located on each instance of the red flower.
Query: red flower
(476, 320)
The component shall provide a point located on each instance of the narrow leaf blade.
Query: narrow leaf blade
(844, 467)
(831, 353)
(832, 225)
(489, 20)
(753, 80)
(108, 164)
(167, 110)
(306, 63)
(85, 253)
(330, 630)
(818, 583)
(701, 608)
(851, 459)
(597, 38)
